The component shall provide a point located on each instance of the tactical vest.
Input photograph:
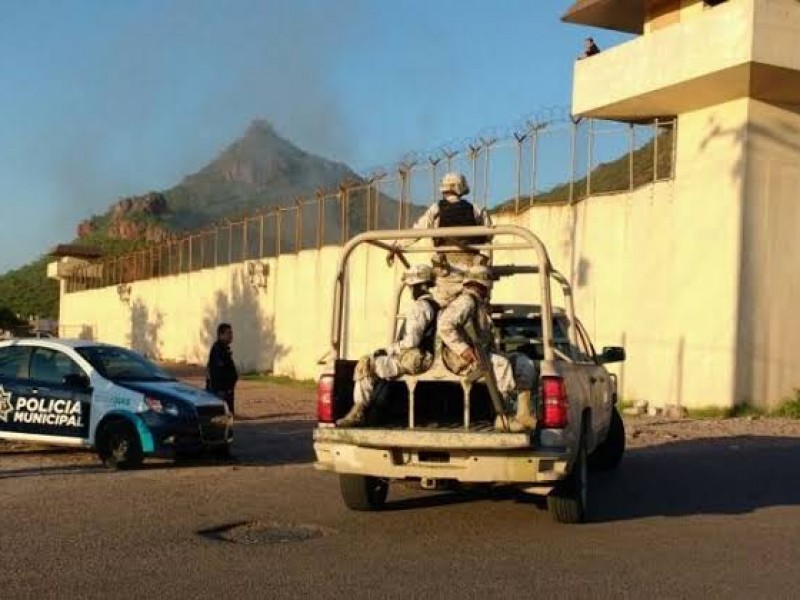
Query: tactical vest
(457, 214)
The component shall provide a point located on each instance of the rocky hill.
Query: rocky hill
(259, 170)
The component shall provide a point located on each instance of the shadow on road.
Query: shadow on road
(269, 442)
(257, 442)
(723, 476)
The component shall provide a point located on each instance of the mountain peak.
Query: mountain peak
(260, 127)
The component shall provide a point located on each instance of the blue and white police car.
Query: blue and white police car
(92, 395)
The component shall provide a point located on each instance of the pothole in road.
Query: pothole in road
(259, 532)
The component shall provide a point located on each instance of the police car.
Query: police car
(92, 395)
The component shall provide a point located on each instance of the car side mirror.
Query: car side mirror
(77, 381)
(612, 354)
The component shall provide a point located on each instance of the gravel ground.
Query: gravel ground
(650, 431)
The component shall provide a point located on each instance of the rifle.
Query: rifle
(485, 370)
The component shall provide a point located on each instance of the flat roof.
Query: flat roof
(76, 251)
(619, 15)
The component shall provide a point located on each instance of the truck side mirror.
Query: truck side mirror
(612, 354)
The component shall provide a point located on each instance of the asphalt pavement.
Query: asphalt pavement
(701, 517)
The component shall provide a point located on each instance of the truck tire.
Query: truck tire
(567, 503)
(608, 454)
(118, 446)
(360, 492)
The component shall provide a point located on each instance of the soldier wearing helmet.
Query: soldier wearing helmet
(411, 354)
(452, 210)
(514, 374)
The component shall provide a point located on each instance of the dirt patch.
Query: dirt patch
(649, 431)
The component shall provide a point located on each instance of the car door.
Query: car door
(13, 374)
(52, 400)
(599, 382)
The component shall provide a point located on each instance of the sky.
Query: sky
(101, 100)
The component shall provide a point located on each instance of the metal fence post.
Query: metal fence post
(245, 240)
(261, 235)
(320, 217)
(590, 159)
(573, 142)
(631, 145)
(655, 150)
(520, 138)
(298, 226)
(488, 143)
(474, 151)
(343, 214)
(434, 162)
(674, 156)
(279, 231)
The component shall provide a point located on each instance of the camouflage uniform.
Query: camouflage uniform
(515, 373)
(407, 356)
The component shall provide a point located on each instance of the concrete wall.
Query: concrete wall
(632, 257)
(768, 365)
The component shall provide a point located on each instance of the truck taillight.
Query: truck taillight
(555, 406)
(325, 399)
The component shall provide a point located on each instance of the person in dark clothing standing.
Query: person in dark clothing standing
(589, 49)
(221, 374)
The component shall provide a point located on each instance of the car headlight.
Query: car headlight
(157, 406)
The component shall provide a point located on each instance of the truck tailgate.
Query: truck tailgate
(423, 438)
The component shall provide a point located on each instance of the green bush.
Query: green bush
(789, 408)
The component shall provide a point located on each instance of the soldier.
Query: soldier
(412, 354)
(452, 210)
(513, 373)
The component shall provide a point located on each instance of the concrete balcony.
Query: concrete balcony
(740, 48)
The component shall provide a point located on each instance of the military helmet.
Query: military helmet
(454, 183)
(418, 274)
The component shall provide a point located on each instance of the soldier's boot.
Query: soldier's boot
(524, 419)
(354, 418)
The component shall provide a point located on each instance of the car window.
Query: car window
(522, 332)
(120, 364)
(51, 366)
(13, 360)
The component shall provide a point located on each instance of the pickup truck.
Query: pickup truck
(438, 428)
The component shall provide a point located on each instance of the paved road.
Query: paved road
(709, 518)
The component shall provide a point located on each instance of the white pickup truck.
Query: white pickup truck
(438, 428)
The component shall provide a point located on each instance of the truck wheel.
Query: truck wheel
(119, 447)
(363, 493)
(567, 503)
(608, 455)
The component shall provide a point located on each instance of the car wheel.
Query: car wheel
(119, 446)
(568, 502)
(360, 492)
(608, 455)
(222, 451)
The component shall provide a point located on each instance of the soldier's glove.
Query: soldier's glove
(469, 356)
(390, 257)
